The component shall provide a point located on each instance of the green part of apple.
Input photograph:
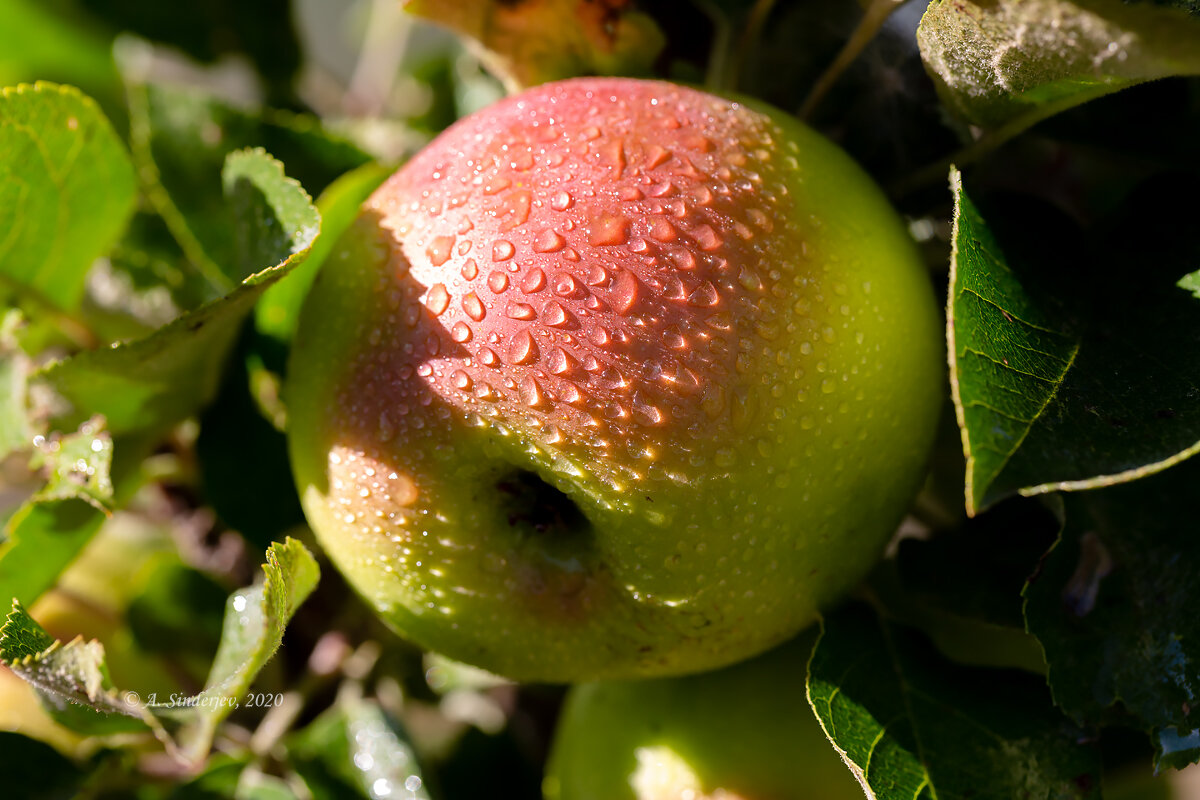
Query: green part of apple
(616, 378)
(742, 733)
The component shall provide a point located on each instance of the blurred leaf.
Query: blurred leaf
(912, 725)
(255, 619)
(42, 39)
(16, 431)
(178, 612)
(1043, 405)
(278, 311)
(262, 31)
(32, 769)
(153, 382)
(355, 749)
(79, 466)
(66, 190)
(1009, 63)
(180, 139)
(1114, 608)
(537, 41)
(40, 540)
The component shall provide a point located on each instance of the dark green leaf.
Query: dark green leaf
(1114, 608)
(1051, 361)
(1009, 63)
(153, 382)
(178, 613)
(32, 770)
(244, 467)
(912, 725)
(66, 190)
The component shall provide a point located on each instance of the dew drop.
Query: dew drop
(673, 338)
(469, 270)
(460, 332)
(749, 280)
(439, 250)
(663, 231)
(424, 370)
(474, 308)
(523, 349)
(515, 209)
(488, 357)
(522, 311)
(549, 241)
(554, 315)
(657, 156)
(607, 230)
(625, 293)
(531, 392)
(646, 412)
(502, 250)
(561, 201)
(438, 299)
(461, 380)
(707, 238)
(567, 285)
(598, 276)
(497, 282)
(560, 362)
(704, 296)
(533, 281)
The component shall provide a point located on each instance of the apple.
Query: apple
(745, 732)
(615, 378)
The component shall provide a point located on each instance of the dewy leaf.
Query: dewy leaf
(912, 725)
(180, 138)
(1044, 407)
(255, 619)
(1009, 63)
(535, 41)
(66, 190)
(356, 749)
(79, 465)
(74, 671)
(151, 383)
(1115, 608)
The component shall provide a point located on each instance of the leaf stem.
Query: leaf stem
(872, 20)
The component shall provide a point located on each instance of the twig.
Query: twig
(872, 20)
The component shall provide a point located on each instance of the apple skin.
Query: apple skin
(615, 378)
(745, 732)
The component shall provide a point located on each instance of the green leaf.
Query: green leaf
(1051, 359)
(40, 540)
(356, 749)
(180, 139)
(1114, 608)
(255, 619)
(1005, 64)
(278, 312)
(529, 43)
(153, 382)
(912, 725)
(66, 190)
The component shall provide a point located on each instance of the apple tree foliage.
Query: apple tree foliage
(1032, 635)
